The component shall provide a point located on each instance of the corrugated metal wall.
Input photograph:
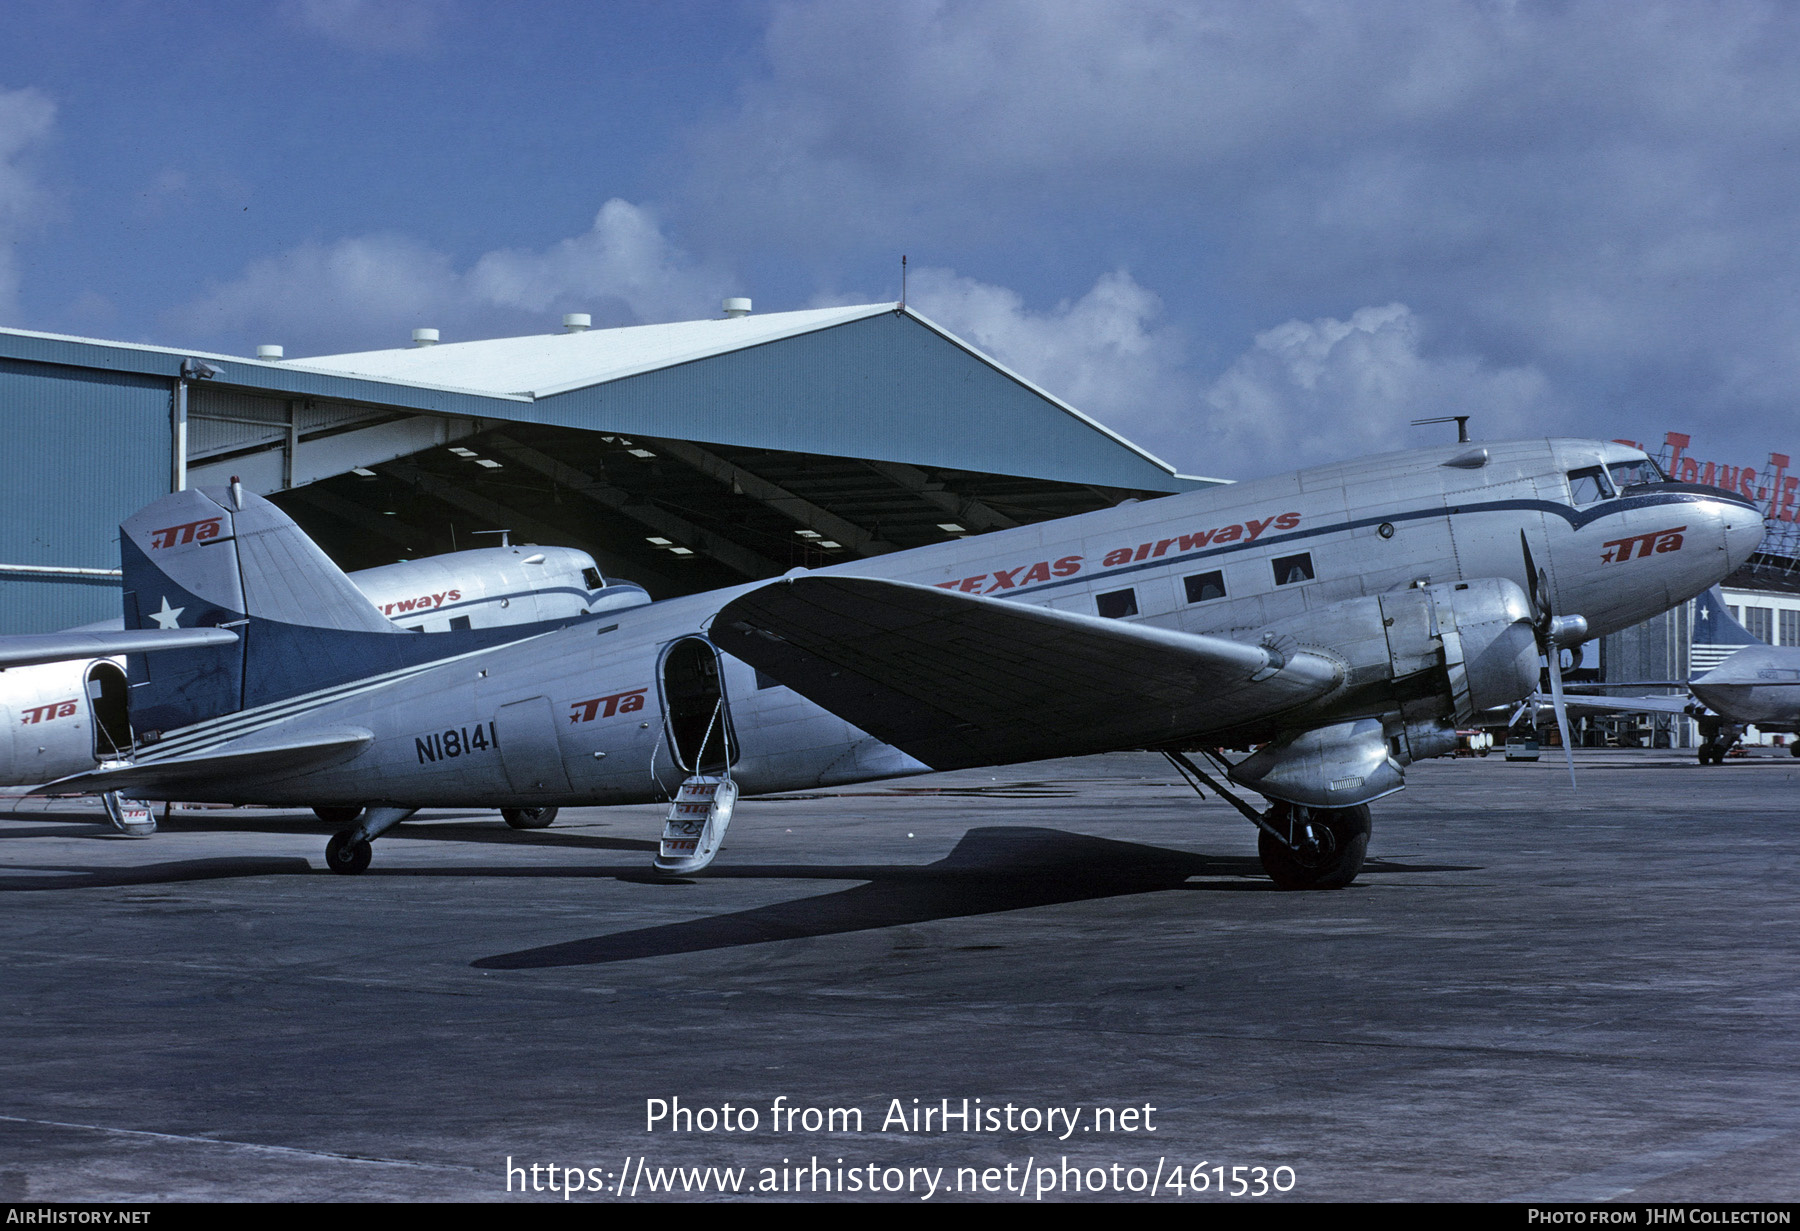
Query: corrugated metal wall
(79, 452)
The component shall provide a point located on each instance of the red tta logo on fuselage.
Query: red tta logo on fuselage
(1642, 544)
(192, 532)
(44, 713)
(605, 707)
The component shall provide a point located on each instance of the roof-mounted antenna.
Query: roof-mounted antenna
(903, 281)
(505, 541)
(1461, 421)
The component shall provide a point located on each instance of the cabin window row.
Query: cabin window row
(1205, 587)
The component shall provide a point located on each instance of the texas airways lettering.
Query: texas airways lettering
(1248, 531)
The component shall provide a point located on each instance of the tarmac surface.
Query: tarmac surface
(1528, 993)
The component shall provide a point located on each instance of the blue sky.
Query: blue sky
(1246, 235)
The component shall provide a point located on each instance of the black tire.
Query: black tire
(1706, 754)
(529, 818)
(1342, 840)
(338, 814)
(1794, 748)
(341, 855)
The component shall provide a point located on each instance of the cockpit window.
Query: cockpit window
(593, 579)
(1590, 484)
(1632, 473)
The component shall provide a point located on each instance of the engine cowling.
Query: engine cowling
(1417, 663)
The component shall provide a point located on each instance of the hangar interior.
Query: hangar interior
(683, 456)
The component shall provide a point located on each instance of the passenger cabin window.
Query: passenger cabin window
(1117, 604)
(459, 622)
(1290, 570)
(1590, 484)
(1204, 587)
(1636, 473)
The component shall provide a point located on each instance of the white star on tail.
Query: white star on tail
(167, 617)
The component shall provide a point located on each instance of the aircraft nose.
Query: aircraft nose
(1743, 532)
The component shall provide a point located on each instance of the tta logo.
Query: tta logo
(1643, 544)
(44, 713)
(193, 532)
(606, 707)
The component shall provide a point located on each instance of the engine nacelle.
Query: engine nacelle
(1417, 663)
(1447, 651)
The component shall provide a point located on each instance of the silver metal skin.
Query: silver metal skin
(1367, 606)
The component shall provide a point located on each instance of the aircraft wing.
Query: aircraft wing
(1628, 705)
(957, 680)
(29, 649)
(248, 763)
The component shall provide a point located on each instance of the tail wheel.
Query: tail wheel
(333, 814)
(529, 818)
(343, 855)
(1327, 848)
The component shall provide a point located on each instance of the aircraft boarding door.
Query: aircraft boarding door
(107, 692)
(696, 716)
(530, 750)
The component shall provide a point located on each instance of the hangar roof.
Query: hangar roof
(543, 365)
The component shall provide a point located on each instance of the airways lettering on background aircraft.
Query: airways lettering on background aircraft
(194, 531)
(1034, 574)
(425, 602)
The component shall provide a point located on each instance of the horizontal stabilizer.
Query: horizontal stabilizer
(28, 649)
(243, 762)
(960, 680)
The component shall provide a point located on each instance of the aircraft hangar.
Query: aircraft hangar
(682, 456)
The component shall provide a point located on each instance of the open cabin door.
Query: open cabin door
(108, 695)
(696, 713)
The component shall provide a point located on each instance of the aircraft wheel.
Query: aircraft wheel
(333, 814)
(342, 855)
(1334, 841)
(1794, 748)
(529, 818)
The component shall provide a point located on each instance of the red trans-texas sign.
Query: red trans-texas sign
(605, 707)
(1642, 544)
(44, 713)
(1774, 488)
(192, 532)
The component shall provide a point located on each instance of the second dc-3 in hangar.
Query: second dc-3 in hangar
(1346, 618)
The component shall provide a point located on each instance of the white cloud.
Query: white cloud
(373, 25)
(368, 292)
(1105, 353)
(26, 119)
(1317, 391)
(1602, 190)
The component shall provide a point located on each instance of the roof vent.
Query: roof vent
(268, 352)
(425, 337)
(737, 307)
(577, 322)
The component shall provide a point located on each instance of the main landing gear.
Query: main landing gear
(528, 818)
(1300, 847)
(1313, 848)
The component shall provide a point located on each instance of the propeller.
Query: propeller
(1554, 633)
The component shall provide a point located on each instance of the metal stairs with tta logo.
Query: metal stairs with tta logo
(697, 822)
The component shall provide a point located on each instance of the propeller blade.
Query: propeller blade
(1533, 583)
(1554, 658)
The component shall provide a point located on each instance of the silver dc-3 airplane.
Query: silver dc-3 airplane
(64, 696)
(1343, 620)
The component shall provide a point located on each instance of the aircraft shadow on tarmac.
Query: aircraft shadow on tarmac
(991, 870)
